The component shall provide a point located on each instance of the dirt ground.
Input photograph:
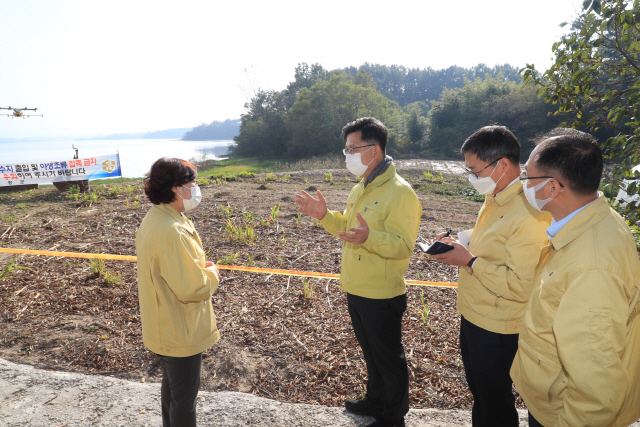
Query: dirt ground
(276, 343)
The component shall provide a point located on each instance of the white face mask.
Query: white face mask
(530, 193)
(194, 201)
(484, 185)
(355, 165)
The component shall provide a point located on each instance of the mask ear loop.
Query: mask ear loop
(542, 184)
(372, 159)
(494, 169)
(183, 197)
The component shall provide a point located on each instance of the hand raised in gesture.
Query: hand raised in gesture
(315, 208)
(357, 235)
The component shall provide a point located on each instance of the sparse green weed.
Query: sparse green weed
(9, 268)
(227, 211)
(307, 288)
(275, 210)
(425, 311)
(10, 219)
(229, 259)
(112, 279)
(96, 266)
(248, 217)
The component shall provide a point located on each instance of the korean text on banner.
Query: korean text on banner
(65, 170)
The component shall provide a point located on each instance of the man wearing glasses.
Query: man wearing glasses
(379, 228)
(578, 360)
(498, 275)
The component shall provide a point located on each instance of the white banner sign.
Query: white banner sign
(65, 170)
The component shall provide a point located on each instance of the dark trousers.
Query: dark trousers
(180, 384)
(377, 324)
(487, 358)
(533, 422)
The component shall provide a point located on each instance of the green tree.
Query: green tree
(415, 129)
(262, 128)
(319, 113)
(596, 79)
(524, 113)
(409, 85)
(459, 112)
(305, 76)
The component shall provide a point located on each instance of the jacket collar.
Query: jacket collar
(508, 193)
(180, 218)
(381, 179)
(584, 220)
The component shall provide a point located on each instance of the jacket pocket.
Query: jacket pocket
(374, 214)
(366, 270)
(192, 313)
(558, 387)
(600, 335)
(543, 379)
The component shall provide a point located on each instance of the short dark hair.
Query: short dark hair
(572, 156)
(491, 143)
(372, 131)
(165, 174)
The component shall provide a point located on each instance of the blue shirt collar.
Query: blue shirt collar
(556, 226)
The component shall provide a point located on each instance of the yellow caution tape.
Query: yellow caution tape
(69, 254)
(220, 267)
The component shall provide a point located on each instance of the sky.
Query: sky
(97, 68)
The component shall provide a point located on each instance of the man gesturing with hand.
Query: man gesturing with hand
(379, 228)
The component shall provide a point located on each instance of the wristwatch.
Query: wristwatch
(469, 266)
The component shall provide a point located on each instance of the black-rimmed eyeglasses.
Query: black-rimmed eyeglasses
(524, 176)
(346, 151)
(476, 173)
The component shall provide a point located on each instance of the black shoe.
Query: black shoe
(363, 407)
(379, 422)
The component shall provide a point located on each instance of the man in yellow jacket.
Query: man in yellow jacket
(578, 361)
(379, 228)
(498, 274)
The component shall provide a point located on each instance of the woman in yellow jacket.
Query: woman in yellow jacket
(175, 284)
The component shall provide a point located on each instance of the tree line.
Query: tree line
(429, 112)
(593, 85)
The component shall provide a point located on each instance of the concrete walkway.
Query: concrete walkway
(35, 397)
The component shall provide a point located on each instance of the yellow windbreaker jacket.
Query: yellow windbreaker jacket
(507, 239)
(174, 287)
(375, 269)
(578, 360)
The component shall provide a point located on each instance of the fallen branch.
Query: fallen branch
(10, 227)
